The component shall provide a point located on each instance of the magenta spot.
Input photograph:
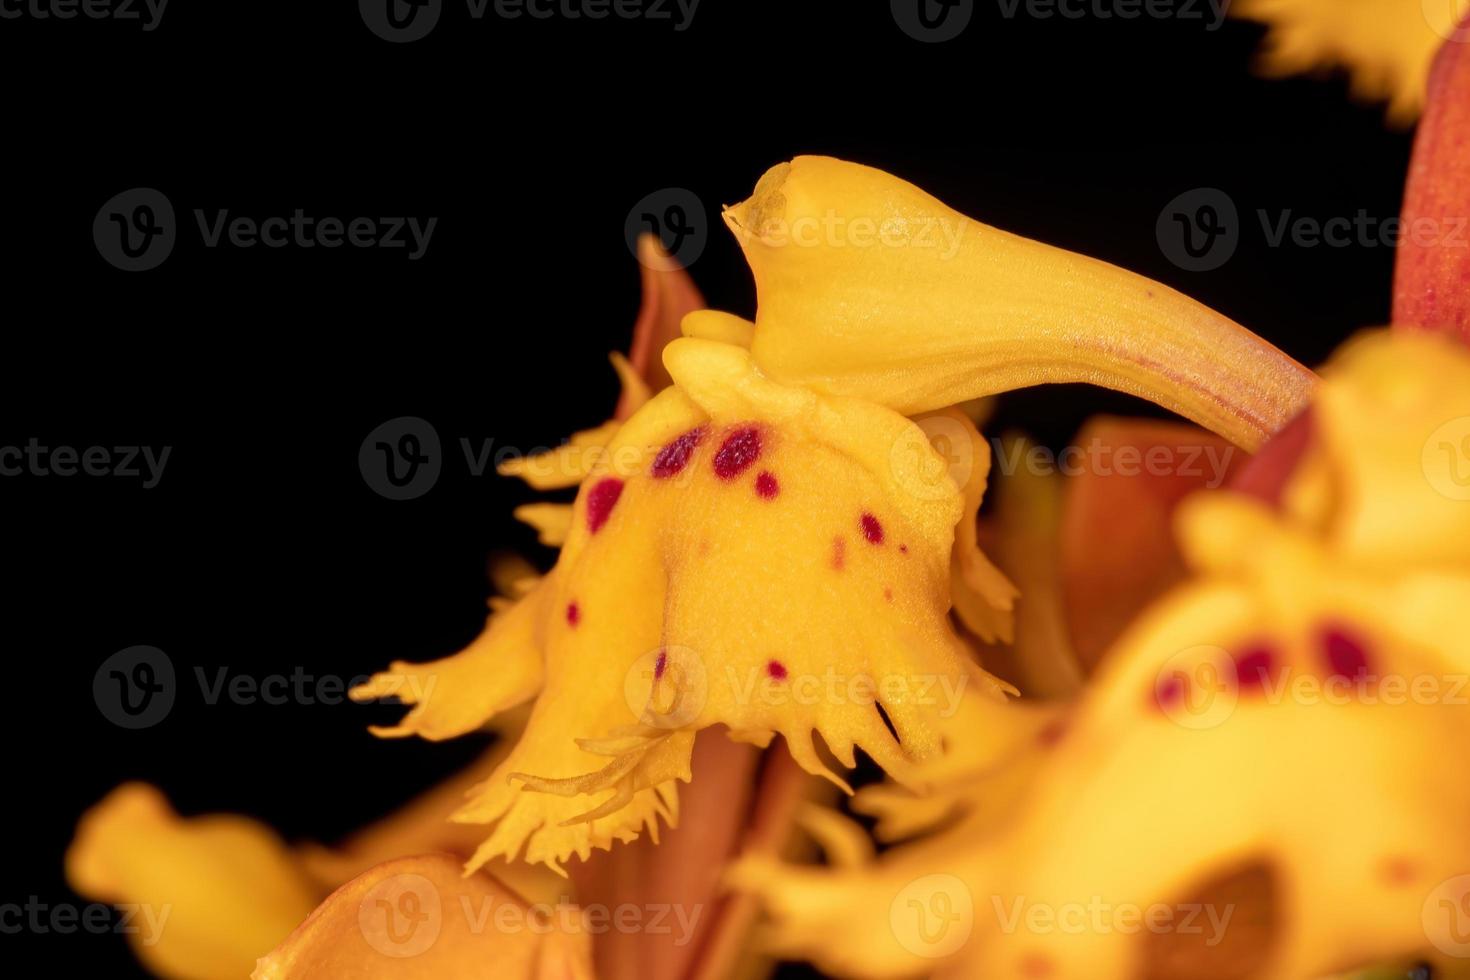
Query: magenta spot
(776, 669)
(740, 449)
(574, 615)
(660, 664)
(1253, 668)
(675, 456)
(600, 501)
(1346, 656)
(872, 530)
(766, 486)
(1169, 692)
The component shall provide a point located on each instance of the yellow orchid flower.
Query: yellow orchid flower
(1265, 749)
(772, 543)
(1387, 46)
(772, 525)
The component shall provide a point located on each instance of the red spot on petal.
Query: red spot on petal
(1253, 669)
(903, 548)
(1052, 733)
(1346, 655)
(740, 449)
(776, 669)
(888, 593)
(766, 486)
(1036, 967)
(660, 664)
(839, 552)
(1398, 871)
(675, 456)
(600, 501)
(574, 615)
(872, 530)
(1169, 692)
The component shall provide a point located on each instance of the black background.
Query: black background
(262, 549)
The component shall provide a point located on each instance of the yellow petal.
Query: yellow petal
(984, 599)
(418, 917)
(551, 521)
(455, 695)
(790, 575)
(869, 287)
(212, 893)
(1387, 46)
(1392, 469)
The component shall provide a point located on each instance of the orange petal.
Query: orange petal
(1023, 533)
(681, 872)
(668, 294)
(418, 918)
(1117, 543)
(1432, 277)
(1265, 474)
(212, 892)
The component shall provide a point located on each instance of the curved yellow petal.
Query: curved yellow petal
(211, 893)
(419, 917)
(869, 287)
(503, 668)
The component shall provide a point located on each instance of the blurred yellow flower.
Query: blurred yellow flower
(1269, 750)
(1386, 46)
